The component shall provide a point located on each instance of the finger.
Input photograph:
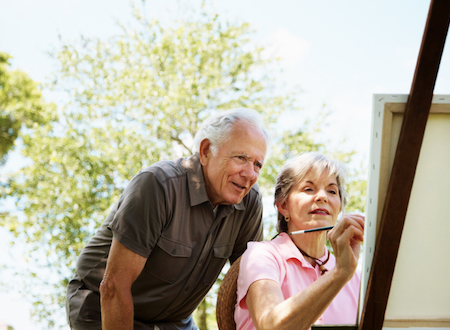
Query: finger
(352, 232)
(356, 220)
(356, 229)
(347, 230)
(355, 217)
(361, 219)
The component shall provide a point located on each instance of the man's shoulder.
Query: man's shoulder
(165, 169)
(256, 190)
(254, 195)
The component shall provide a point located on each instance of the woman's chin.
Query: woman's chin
(319, 223)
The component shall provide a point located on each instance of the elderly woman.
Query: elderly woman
(293, 281)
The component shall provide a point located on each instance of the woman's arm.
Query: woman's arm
(122, 269)
(265, 300)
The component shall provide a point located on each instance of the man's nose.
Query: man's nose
(249, 171)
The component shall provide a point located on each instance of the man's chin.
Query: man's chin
(234, 199)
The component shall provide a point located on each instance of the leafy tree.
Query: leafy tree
(22, 108)
(128, 102)
(21, 105)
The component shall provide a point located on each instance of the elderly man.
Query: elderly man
(165, 241)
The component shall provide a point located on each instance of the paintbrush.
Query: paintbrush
(311, 230)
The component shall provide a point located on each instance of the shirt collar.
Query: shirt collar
(196, 183)
(289, 250)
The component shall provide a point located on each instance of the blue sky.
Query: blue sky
(339, 52)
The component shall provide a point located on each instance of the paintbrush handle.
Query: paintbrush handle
(311, 230)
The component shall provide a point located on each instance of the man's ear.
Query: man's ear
(205, 151)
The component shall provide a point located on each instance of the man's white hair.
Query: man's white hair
(217, 128)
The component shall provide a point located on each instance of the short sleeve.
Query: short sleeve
(141, 214)
(258, 262)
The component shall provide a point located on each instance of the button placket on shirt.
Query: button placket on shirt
(203, 256)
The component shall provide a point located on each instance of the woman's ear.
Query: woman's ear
(282, 208)
(204, 152)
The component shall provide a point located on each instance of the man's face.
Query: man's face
(230, 174)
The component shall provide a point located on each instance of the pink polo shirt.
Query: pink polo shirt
(280, 260)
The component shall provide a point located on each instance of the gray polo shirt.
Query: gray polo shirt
(165, 216)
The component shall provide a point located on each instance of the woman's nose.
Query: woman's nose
(321, 195)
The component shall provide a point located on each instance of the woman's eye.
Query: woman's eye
(333, 192)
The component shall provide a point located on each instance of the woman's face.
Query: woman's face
(312, 203)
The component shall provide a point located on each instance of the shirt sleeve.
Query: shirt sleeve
(141, 214)
(258, 262)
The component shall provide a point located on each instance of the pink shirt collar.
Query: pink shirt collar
(289, 250)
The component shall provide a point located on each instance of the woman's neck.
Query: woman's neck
(311, 243)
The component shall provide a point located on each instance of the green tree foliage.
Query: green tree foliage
(21, 105)
(22, 109)
(128, 102)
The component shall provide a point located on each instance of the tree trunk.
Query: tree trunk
(202, 314)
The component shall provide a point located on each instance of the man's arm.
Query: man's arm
(122, 269)
(252, 227)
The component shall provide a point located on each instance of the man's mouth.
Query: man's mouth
(239, 186)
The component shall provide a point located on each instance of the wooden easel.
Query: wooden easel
(404, 167)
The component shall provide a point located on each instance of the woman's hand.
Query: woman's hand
(346, 238)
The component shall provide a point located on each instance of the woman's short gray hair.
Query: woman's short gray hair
(217, 128)
(294, 172)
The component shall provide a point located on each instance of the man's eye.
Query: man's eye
(240, 159)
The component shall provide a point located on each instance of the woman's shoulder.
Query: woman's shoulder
(262, 260)
(262, 245)
(263, 249)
